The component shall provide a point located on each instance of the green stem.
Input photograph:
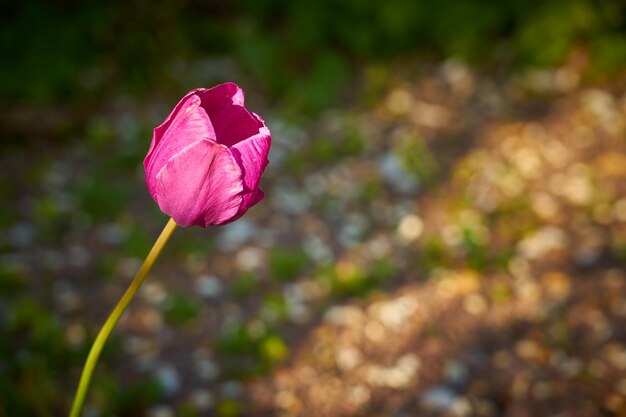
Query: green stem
(114, 317)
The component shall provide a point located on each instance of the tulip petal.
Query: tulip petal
(201, 185)
(162, 128)
(231, 120)
(256, 197)
(249, 200)
(187, 124)
(251, 155)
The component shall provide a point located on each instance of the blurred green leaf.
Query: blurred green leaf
(236, 340)
(11, 279)
(100, 197)
(274, 308)
(137, 241)
(228, 408)
(244, 283)
(274, 349)
(180, 308)
(285, 264)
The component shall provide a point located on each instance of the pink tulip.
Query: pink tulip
(206, 159)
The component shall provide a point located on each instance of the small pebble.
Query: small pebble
(22, 235)
(202, 399)
(209, 286)
(161, 411)
(443, 399)
(168, 379)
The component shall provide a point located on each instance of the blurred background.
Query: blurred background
(443, 234)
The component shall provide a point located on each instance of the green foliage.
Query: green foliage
(180, 308)
(58, 42)
(139, 395)
(382, 270)
(285, 264)
(99, 133)
(101, 198)
(248, 352)
(562, 23)
(33, 354)
(228, 408)
(370, 190)
(500, 293)
(608, 54)
(322, 82)
(244, 284)
(49, 218)
(351, 279)
(236, 340)
(325, 150)
(416, 159)
(476, 250)
(188, 410)
(137, 241)
(274, 308)
(299, 51)
(273, 349)
(32, 322)
(131, 398)
(11, 279)
(433, 255)
(106, 265)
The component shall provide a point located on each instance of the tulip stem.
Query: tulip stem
(114, 317)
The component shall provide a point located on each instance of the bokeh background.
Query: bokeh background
(444, 232)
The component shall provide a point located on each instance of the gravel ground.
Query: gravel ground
(456, 248)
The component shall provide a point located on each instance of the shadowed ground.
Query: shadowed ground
(454, 246)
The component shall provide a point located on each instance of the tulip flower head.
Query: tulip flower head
(206, 159)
